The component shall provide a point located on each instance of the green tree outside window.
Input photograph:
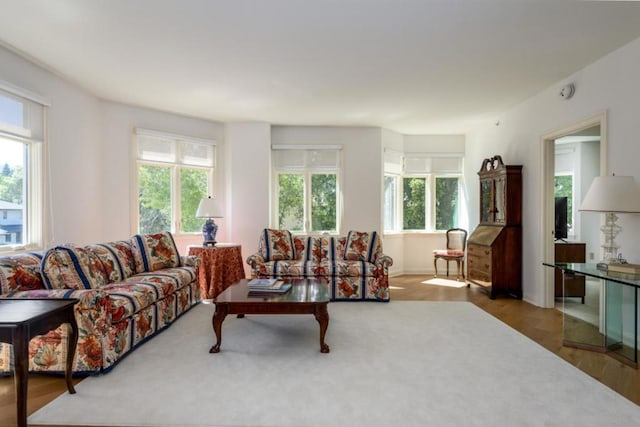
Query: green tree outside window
(193, 187)
(323, 202)
(446, 203)
(291, 201)
(414, 203)
(154, 195)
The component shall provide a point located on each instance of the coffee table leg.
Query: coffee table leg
(71, 351)
(218, 318)
(21, 375)
(322, 316)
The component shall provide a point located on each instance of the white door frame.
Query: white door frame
(547, 175)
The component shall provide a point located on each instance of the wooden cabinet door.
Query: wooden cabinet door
(500, 204)
(486, 201)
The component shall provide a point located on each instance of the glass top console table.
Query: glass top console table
(614, 327)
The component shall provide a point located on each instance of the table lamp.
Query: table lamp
(612, 195)
(208, 208)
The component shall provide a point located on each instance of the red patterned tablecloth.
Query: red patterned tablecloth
(220, 267)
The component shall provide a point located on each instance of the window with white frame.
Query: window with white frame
(392, 175)
(306, 188)
(390, 196)
(173, 173)
(22, 139)
(429, 188)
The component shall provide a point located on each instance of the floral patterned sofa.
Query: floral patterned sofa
(127, 292)
(353, 265)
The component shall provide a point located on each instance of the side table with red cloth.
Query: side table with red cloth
(221, 266)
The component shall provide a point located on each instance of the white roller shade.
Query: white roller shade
(419, 163)
(306, 157)
(392, 162)
(168, 148)
(21, 117)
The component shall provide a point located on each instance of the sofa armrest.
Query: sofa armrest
(383, 262)
(255, 261)
(190, 261)
(92, 309)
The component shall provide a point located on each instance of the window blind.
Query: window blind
(21, 117)
(392, 161)
(422, 163)
(295, 157)
(177, 149)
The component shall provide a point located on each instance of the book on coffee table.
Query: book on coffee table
(278, 288)
(254, 283)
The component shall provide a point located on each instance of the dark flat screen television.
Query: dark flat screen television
(561, 228)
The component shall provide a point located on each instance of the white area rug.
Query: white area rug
(445, 282)
(405, 363)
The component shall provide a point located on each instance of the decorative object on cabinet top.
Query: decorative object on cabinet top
(492, 163)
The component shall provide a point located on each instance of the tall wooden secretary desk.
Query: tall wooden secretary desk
(494, 249)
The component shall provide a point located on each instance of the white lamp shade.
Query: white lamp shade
(209, 208)
(618, 194)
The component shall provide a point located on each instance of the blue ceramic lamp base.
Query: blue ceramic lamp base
(209, 230)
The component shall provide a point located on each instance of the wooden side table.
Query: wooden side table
(221, 266)
(23, 319)
(574, 285)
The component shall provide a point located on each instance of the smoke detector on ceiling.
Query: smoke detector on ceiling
(567, 91)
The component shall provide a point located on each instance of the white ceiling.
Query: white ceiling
(416, 67)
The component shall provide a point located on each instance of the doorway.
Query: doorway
(577, 151)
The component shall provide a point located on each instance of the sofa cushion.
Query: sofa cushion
(20, 273)
(129, 298)
(300, 246)
(72, 267)
(157, 251)
(117, 259)
(277, 245)
(317, 269)
(361, 246)
(321, 248)
(166, 281)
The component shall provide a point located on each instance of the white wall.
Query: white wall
(75, 210)
(589, 222)
(248, 160)
(609, 84)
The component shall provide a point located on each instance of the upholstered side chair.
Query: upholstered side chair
(455, 251)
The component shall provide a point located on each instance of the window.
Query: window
(447, 201)
(306, 185)
(390, 197)
(174, 173)
(563, 184)
(429, 198)
(21, 171)
(414, 205)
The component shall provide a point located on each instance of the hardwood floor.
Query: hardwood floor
(542, 325)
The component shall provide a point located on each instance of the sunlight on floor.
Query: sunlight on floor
(444, 282)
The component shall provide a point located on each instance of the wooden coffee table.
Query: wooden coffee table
(23, 319)
(306, 296)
